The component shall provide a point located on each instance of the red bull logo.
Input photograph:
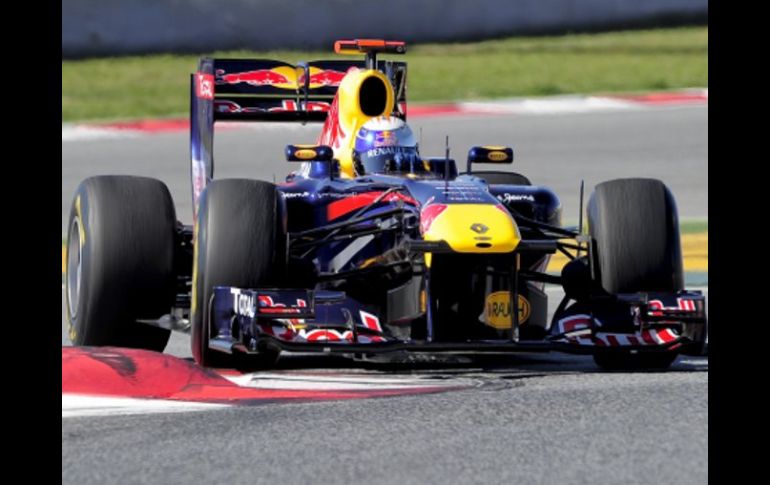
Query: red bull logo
(280, 77)
(385, 139)
(322, 77)
(283, 77)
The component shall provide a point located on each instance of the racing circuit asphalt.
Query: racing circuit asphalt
(537, 418)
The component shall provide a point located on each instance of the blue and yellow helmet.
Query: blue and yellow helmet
(386, 145)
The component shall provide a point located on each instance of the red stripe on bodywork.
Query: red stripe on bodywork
(370, 321)
(344, 206)
(648, 338)
(613, 341)
(667, 335)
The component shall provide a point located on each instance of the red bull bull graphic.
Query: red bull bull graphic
(280, 77)
(385, 139)
(322, 78)
(283, 77)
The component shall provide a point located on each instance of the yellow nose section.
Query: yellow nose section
(475, 228)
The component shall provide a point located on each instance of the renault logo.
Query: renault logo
(479, 228)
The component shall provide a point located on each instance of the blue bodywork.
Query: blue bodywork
(356, 255)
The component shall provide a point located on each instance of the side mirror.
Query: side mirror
(489, 154)
(309, 153)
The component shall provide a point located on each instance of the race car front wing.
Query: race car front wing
(331, 322)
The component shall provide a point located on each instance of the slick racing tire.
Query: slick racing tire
(120, 262)
(635, 230)
(240, 241)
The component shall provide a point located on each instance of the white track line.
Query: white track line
(555, 105)
(83, 133)
(315, 382)
(78, 405)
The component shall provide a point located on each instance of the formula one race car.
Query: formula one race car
(370, 248)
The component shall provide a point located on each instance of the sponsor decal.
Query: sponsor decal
(388, 150)
(295, 195)
(656, 307)
(336, 195)
(497, 156)
(460, 192)
(243, 305)
(385, 139)
(321, 77)
(204, 86)
(283, 77)
(507, 198)
(305, 154)
(479, 228)
(498, 310)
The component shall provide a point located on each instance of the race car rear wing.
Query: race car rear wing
(267, 90)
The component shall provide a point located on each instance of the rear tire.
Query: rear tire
(240, 241)
(635, 230)
(120, 262)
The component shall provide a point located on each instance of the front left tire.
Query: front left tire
(240, 241)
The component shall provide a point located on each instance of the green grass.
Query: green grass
(694, 226)
(642, 60)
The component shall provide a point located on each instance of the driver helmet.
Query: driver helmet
(386, 145)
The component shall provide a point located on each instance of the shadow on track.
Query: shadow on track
(502, 365)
